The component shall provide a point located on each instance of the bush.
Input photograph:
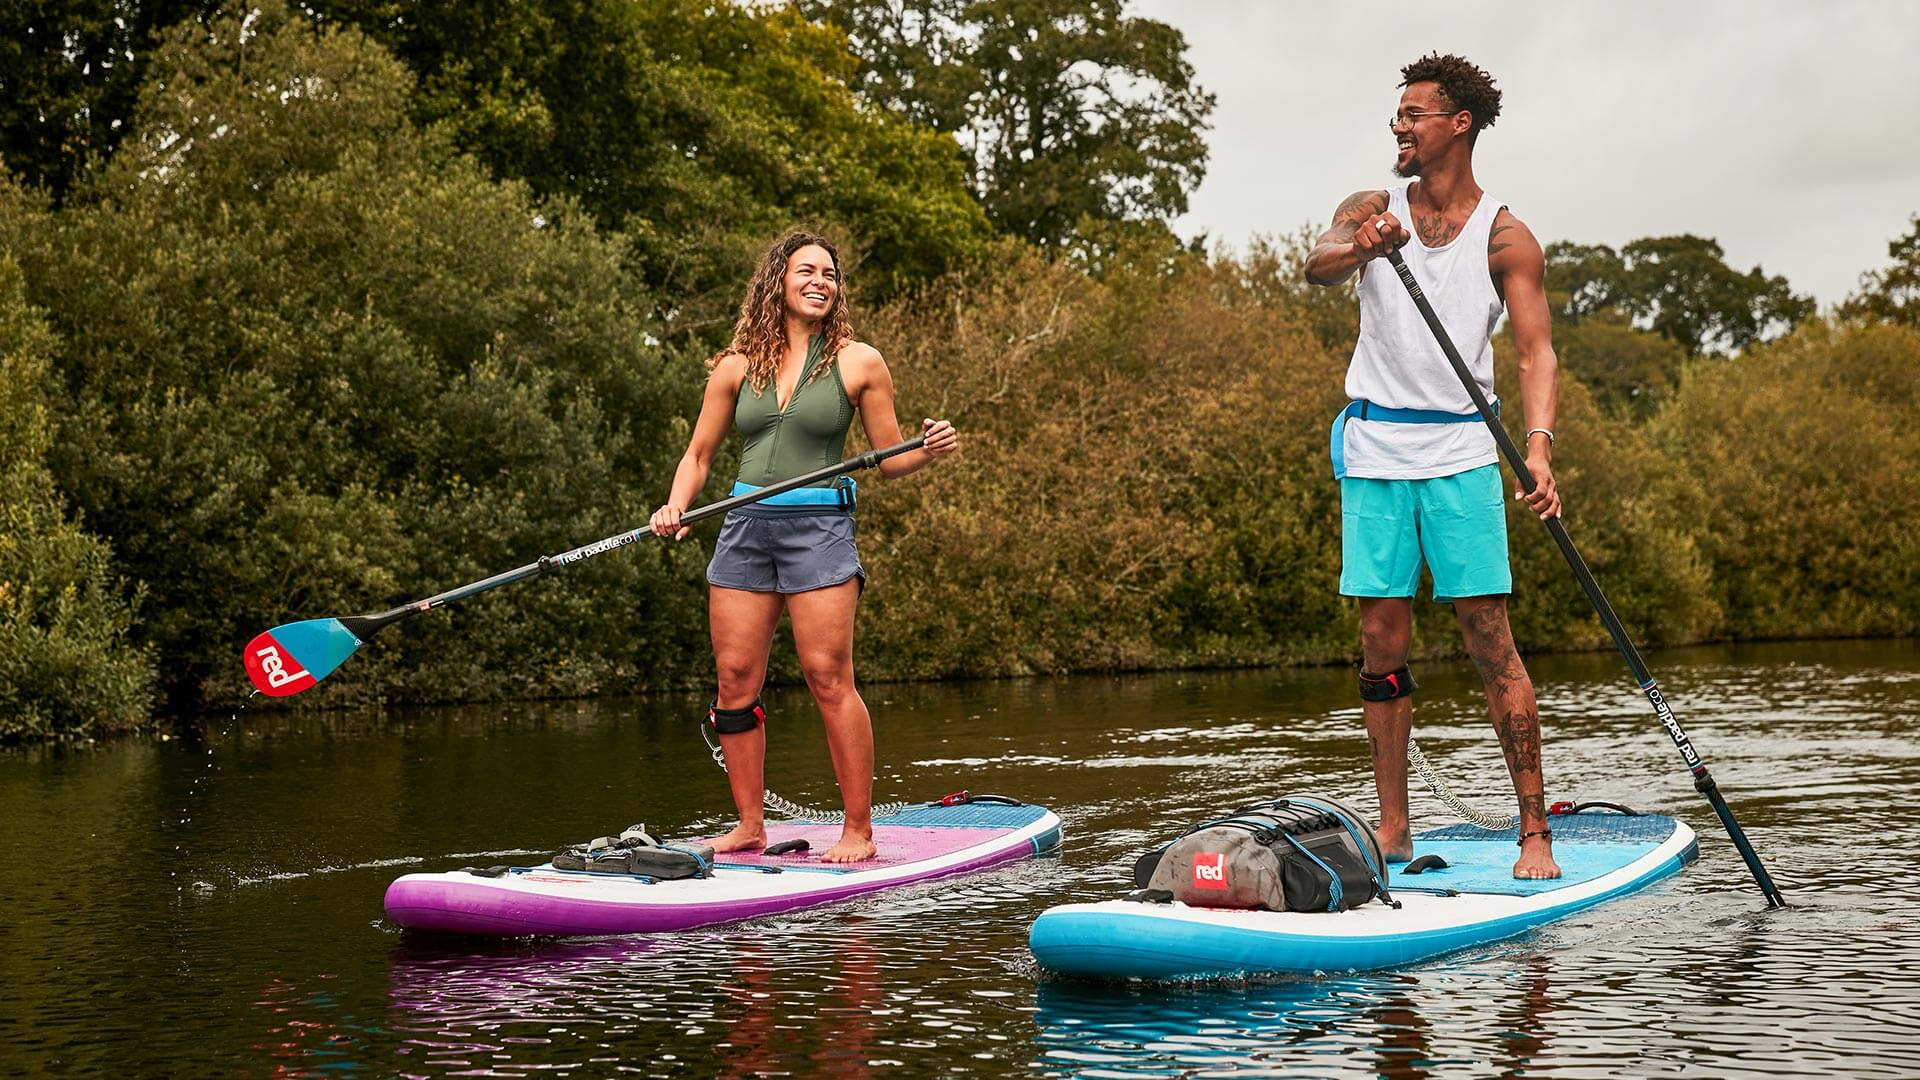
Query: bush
(317, 363)
(67, 666)
(1810, 505)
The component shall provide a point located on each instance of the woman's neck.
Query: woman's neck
(800, 332)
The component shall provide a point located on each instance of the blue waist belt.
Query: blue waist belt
(840, 496)
(1367, 410)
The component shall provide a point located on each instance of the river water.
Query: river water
(214, 907)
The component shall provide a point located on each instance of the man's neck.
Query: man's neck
(1449, 186)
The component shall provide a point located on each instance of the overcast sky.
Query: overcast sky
(1788, 131)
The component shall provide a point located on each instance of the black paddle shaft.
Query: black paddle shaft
(364, 626)
(1702, 780)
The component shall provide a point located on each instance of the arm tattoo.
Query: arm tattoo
(1495, 245)
(1357, 208)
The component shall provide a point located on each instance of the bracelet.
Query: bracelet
(1525, 836)
(1540, 430)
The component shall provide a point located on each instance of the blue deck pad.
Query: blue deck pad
(982, 815)
(1585, 845)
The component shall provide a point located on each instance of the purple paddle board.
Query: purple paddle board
(921, 843)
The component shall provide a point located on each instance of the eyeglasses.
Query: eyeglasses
(1407, 118)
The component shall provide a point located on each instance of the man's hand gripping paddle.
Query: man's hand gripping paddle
(288, 659)
(1703, 782)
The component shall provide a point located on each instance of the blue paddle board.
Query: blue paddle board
(1473, 901)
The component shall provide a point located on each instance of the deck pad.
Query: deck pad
(921, 843)
(898, 845)
(1475, 899)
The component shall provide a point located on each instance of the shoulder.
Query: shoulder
(1362, 204)
(857, 358)
(729, 371)
(1511, 246)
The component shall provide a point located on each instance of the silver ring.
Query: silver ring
(1380, 225)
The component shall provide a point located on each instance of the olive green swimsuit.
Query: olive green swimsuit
(810, 433)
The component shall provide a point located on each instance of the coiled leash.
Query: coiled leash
(1399, 684)
(736, 721)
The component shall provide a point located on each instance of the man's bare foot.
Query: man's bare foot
(851, 848)
(742, 837)
(1396, 842)
(1536, 859)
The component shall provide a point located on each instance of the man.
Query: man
(1419, 470)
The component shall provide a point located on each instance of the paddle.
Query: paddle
(288, 659)
(1702, 782)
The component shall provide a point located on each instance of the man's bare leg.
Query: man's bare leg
(823, 637)
(1386, 633)
(742, 624)
(1516, 717)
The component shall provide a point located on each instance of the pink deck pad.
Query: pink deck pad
(897, 844)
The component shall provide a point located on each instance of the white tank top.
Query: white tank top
(1398, 364)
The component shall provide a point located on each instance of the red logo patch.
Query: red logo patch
(1210, 871)
(274, 670)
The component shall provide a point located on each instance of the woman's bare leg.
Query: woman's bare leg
(823, 636)
(742, 624)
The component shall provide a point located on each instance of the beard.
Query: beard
(1408, 171)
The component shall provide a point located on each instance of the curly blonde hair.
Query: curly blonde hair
(760, 333)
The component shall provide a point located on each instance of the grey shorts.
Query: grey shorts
(784, 552)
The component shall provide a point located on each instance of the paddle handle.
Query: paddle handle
(364, 626)
(1703, 782)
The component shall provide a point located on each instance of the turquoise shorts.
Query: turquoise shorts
(1456, 524)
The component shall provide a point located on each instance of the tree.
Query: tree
(697, 129)
(1678, 286)
(310, 359)
(69, 73)
(700, 130)
(1893, 294)
(67, 663)
(1069, 109)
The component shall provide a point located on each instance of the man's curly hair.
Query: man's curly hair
(1465, 86)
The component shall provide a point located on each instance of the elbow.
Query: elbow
(1539, 363)
(1319, 269)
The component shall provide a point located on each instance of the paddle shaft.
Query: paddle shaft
(364, 626)
(1702, 780)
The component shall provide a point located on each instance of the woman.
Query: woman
(792, 380)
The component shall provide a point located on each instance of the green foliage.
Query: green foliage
(67, 666)
(1072, 110)
(1630, 373)
(318, 363)
(1810, 504)
(698, 129)
(69, 73)
(1891, 294)
(1678, 286)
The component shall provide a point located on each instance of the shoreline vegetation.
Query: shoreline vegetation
(326, 328)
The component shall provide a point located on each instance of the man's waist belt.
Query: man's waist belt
(1367, 410)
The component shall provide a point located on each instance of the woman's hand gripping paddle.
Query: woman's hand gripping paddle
(290, 658)
(1703, 782)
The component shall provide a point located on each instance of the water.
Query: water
(176, 908)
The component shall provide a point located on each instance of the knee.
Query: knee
(738, 683)
(1489, 640)
(831, 680)
(1384, 643)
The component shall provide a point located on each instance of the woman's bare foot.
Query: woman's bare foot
(851, 848)
(1536, 860)
(1396, 842)
(742, 837)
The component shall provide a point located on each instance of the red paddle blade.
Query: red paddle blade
(288, 659)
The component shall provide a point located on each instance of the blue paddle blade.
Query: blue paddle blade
(288, 659)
